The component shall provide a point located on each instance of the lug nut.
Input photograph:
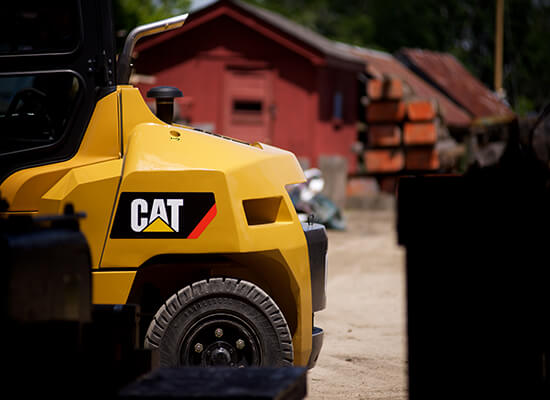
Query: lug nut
(240, 344)
(199, 348)
(218, 333)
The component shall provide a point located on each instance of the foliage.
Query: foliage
(131, 13)
(348, 21)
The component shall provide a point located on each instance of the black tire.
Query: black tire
(185, 328)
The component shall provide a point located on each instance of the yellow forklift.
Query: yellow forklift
(195, 228)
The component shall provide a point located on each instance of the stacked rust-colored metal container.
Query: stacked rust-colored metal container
(420, 136)
(401, 132)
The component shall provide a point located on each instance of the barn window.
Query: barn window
(337, 106)
(247, 112)
(248, 106)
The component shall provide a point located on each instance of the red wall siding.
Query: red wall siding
(196, 62)
(336, 136)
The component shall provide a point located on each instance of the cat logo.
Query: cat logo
(163, 215)
(157, 219)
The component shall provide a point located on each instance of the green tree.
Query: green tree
(130, 13)
(347, 21)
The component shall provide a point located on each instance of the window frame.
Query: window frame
(72, 115)
(93, 62)
(80, 33)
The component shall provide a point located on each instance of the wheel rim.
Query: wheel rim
(220, 339)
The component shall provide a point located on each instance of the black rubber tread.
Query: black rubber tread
(191, 298)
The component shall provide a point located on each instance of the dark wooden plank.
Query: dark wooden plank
(220, 383)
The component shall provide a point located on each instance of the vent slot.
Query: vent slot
(266, 211)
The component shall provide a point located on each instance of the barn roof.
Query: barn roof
(319, 49)
(383, 64)
(321, 43)
(447, 74)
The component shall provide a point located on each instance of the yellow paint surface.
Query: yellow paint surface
(152, 161)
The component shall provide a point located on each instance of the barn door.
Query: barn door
(248, 104)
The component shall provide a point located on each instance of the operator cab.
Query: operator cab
(56, 61)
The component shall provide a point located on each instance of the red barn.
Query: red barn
(254, 75)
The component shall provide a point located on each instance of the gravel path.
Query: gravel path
(364, 351)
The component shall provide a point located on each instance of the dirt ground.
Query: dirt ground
(364, 350)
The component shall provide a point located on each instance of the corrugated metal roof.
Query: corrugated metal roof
(446, 73)
(384, 64)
